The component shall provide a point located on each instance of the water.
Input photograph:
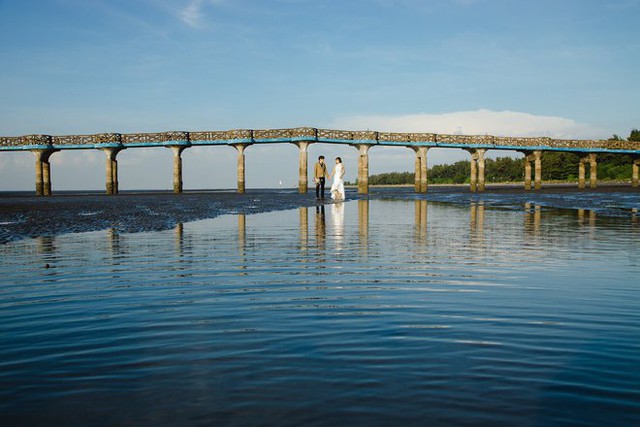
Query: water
(380, 312)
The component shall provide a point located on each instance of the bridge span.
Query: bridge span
(43, 146)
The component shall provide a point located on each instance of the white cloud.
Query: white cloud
(192, 14)
(478, 122)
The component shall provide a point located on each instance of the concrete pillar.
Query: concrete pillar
(43, 172)
(418, 169)
(527, 172)
(363, 168)
(481, 152)
(635, 172)
(240, 148)
(593, 170)
(46, 177)
(474, 173)
(112, 169)
(303, 184)
(536, 157)
(177, 167)
(39, 173)
(477, 169)
(538, 169)
(421, 182)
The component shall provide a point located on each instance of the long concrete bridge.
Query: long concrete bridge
(43, 146)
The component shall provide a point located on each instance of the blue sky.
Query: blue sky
(563, 68)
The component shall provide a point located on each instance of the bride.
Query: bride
(337, 188)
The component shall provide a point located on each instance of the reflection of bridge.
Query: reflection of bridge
(112, 143)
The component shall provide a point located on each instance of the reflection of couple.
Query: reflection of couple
(337, 187)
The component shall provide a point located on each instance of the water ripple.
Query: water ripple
(389, 312)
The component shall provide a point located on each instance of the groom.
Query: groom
(319, 175)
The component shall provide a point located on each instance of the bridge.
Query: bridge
(43, 146)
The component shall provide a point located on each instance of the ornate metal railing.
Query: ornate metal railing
(313, 134)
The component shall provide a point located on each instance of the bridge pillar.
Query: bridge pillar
(241, 175)
(112, 169)
(177, 167)
(527, 172)
(421, 169)
(303, 184)
(363, 168)
(593, 171)
(538, 169)
(477, 169)
(635, 172)
(43, 172)
(536, 157)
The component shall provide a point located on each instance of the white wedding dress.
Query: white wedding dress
(337, 188)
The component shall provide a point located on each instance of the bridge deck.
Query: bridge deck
(329, 136)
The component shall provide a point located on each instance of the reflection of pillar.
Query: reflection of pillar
(112, 169)
(635, 172)
(242, 233)
(532, 222)
(43, 172)
(242, 242)
(421, 169)
(114, 241)
(320, 227)
(304, 227)
(582, 216)
(477, 169)
(45, 245)
(177, 167)
(477, 217)
(303, 184)
(421, 217)
(179, 234)
(363, 220)
(363, 168)
(240, 148)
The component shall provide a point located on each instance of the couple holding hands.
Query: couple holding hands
(320, 174)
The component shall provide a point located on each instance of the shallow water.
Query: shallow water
(372, 313)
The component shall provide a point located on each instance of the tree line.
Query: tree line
(556, 166)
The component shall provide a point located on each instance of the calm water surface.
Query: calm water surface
(367, 313)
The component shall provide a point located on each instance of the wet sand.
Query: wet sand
(23, 215)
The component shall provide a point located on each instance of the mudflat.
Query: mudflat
(23, 215)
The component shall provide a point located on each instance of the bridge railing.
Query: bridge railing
(313, 134)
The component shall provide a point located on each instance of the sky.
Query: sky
(558, 68)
